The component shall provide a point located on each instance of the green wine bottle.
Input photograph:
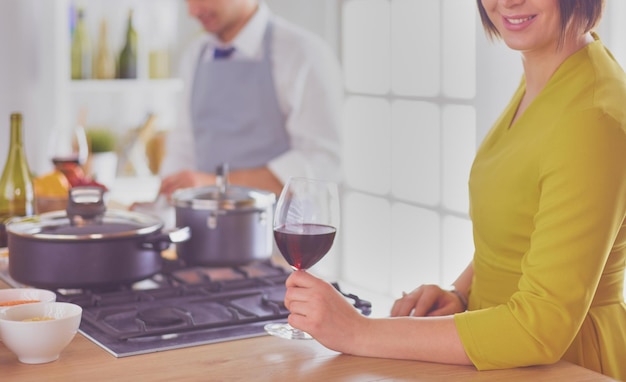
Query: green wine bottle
(17, 195)
(128, 55)
(81, 50)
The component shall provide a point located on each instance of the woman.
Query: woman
(548, 206)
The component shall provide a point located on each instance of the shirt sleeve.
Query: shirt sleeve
(309, 87)
(582, 185)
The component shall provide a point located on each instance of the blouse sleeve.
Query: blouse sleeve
(582, 205)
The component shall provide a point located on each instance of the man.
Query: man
(263, 96)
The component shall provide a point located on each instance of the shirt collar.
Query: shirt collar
(249, 41)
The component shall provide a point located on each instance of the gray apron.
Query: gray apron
(235, 115)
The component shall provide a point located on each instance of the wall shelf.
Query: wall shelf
(126, 86)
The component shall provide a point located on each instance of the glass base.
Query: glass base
(286, 331)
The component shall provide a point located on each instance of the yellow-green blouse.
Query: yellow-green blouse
(548, 205)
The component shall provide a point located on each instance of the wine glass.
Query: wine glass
(69, 146)
(305, 224)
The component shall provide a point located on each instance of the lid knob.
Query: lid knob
(85, 205)
(221, 180)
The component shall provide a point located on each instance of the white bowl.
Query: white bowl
(39, 341)
(25, 294)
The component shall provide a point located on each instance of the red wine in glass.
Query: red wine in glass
(303, 245)
(305, 224)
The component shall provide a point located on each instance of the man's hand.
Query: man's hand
(260, 178)
(185, 179)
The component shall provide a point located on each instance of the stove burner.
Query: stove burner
(161, 316)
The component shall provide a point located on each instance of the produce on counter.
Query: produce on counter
(76, 175)
(53, 184)
(58, 182)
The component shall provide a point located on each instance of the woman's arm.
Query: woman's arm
(317, 308)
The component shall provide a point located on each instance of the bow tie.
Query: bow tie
(220, 53)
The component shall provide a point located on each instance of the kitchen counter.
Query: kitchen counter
(263, 358)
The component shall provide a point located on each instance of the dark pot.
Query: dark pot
(229, 225)
(87, 246)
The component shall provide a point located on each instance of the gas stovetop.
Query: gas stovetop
(182, 307)
(188, 307)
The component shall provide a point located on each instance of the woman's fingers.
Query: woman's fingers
(420, 302)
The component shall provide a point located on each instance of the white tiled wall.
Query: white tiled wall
(411, 123)
(416, 59)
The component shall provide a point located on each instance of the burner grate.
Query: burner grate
(186, 307)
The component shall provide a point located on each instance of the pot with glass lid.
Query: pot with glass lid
(229, 225)
(87, 246)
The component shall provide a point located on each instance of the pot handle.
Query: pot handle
(162, 241)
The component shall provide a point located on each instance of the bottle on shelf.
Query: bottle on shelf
(159, 64)
(128, 55)
(17, 195)
(81, 49)
(104, 62)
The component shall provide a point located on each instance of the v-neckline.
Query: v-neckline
(511, 121)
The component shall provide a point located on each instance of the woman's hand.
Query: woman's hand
(319, 309)
(427, 300)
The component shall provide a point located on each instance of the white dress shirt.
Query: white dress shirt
(309, 85)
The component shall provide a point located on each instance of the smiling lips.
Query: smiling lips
(517, 22)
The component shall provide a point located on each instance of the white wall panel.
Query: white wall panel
(415, 248)
(367, 148)
(32, 33)
(366, 46)
(416, 47)
(457, 247)
(459, 148)
(459, 48)
(367, 241)
(319, 16)
(416, 152)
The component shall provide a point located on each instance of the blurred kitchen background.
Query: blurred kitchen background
(422, 83)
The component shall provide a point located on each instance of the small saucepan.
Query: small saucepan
(230, 225)
(87, 246)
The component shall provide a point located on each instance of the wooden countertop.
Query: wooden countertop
(260, 359)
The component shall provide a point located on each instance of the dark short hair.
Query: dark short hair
(583, 14)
